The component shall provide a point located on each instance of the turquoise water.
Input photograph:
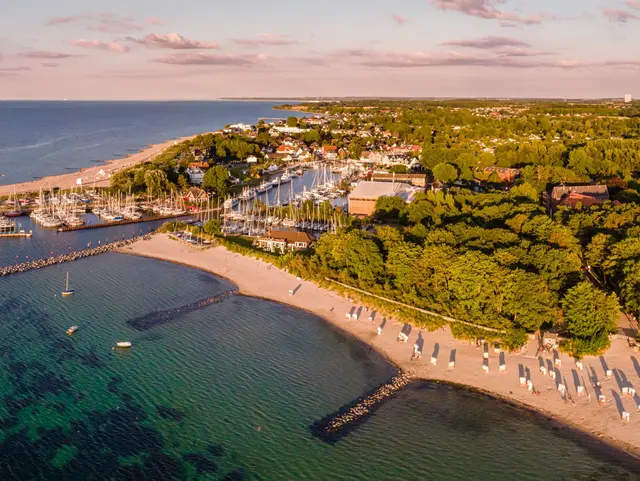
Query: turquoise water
(229, 392)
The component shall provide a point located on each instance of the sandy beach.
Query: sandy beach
(97, 175)
(259, 279)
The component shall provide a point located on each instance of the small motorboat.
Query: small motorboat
(123, 344)
(72, 329)
(67, 292)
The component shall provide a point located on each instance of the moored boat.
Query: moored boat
(123, 344)
(67, 292)
(72, 329)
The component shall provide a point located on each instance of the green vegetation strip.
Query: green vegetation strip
(424, 311)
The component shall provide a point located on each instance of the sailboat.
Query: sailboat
(67, 291)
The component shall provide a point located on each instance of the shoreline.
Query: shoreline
(91, 175)
(600, 425)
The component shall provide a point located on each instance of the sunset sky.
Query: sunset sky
(204, 49)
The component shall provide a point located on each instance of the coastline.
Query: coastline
(601, 425)
(91, 175)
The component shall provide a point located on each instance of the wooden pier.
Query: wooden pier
(122, 222)
(16, 234)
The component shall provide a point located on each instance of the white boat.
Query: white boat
(285, 178)
(72, 329)
(67, 292)
(264, 186)
(123, 344)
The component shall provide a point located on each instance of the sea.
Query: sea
(38, 139)
(228, 391)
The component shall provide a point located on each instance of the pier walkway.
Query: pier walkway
(122, 222)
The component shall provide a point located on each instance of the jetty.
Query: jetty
(71, 256)
(157, 318)
(335, 426)
(121, 222)
(16, 234)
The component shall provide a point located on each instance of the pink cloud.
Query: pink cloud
(210, 59)
(154, 21)
(633, 4)
(487, 9)
(398, 60)
(620, 16)
(45, 54)
(50, 64)
(99, 45)
(266, 39)
(14, 69)
(399, 19)
(100, 22)
(172, 41)
(489, 42)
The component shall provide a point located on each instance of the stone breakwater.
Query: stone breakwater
(157, 318)
(333, 427)
(69, 257)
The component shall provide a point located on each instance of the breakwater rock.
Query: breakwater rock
(157, 318)
(69, 257)
(335, 426)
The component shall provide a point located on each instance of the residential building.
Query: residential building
(284, 129)
(627, 98)
(196, 196)
(505, 174)
(195, 175)
(362, 200)
(284, 240)
(252, 159)
(575, 196)
(330, 152)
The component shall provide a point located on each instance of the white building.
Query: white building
(243, 127)
(195, 175)
(627, 98)
(252, 159)
(284, 129)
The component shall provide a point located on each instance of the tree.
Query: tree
(292, 122)
(216, 179)
(399, 169)
(589, 312)
(445, 173)
(212, 227)
(156, 181)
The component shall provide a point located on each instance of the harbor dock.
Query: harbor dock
(16, 234)
(121, 222)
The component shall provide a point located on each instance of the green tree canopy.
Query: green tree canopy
(589, 312)
(445, 173)
(216, 179)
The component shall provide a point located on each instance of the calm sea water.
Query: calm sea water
(38, 139)
(228, 392)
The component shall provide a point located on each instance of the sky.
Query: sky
(207, 49)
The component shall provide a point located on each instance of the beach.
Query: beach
(95, 176)
(260, 279)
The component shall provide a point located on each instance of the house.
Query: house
(576, 196)
(198, 165)
(284, 240)
(252, 159)
(195, 175)
(362, 200)
(508, 176)
(330, 152)
(196, 196)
